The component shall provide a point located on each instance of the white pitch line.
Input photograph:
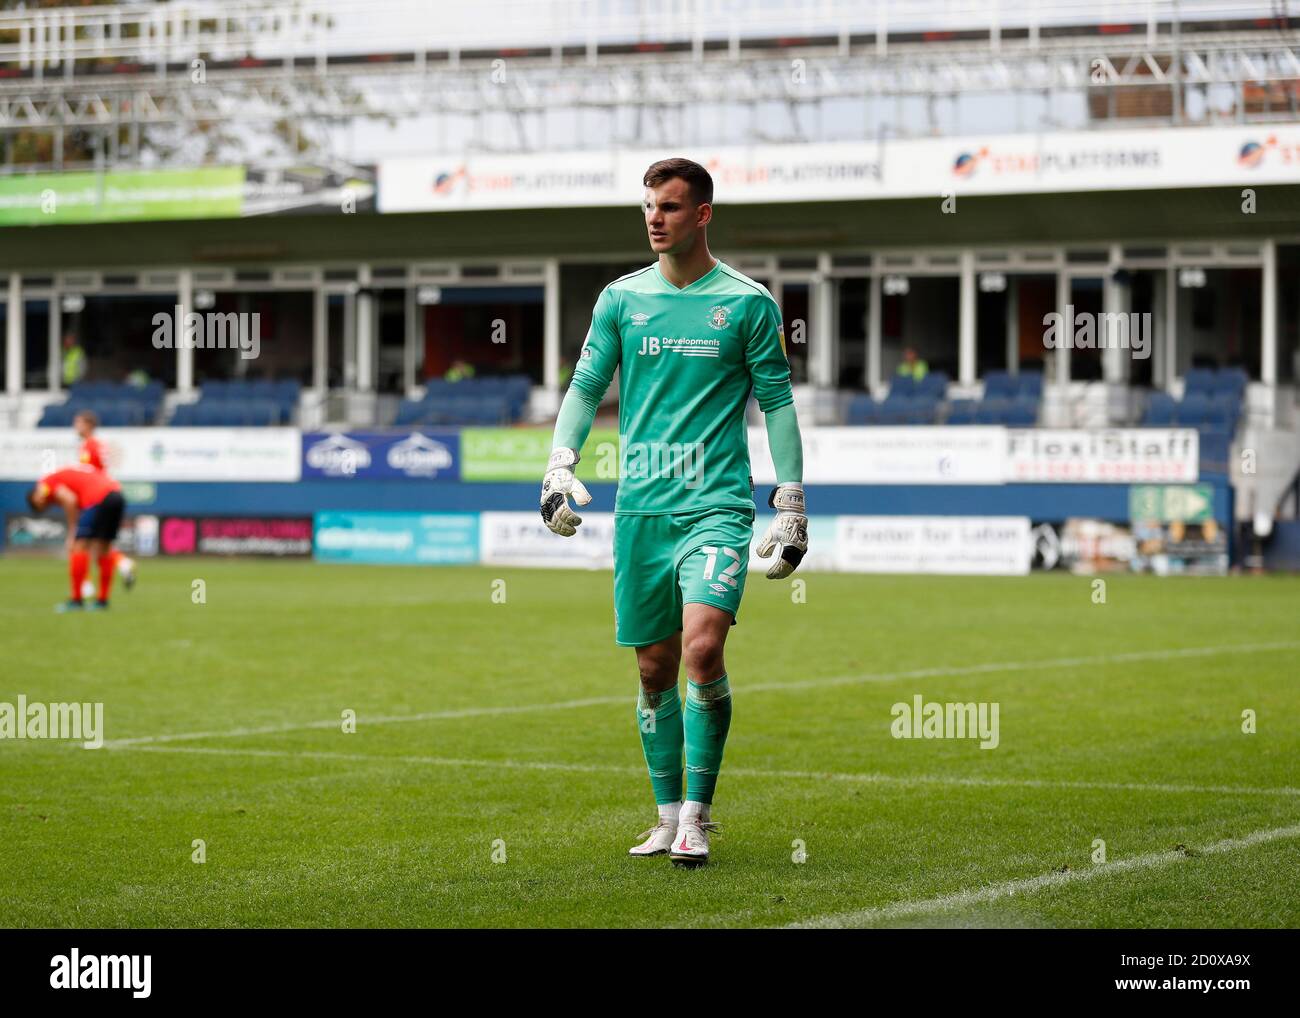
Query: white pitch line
(738, 772)
(760, 687)
(995, 892)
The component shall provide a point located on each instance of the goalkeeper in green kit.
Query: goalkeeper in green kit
(691, 337)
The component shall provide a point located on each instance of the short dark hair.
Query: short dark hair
(31, 496)
(695, 175)
(88, 415)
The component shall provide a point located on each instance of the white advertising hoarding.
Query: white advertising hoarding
(988, 545)
(960, 545)
(891, 455)
(1059, 161)
(161, 454)
(522, 539)
(1109, 456)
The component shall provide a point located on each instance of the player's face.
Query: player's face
(40, 499)
(82, 426)
(672, 219)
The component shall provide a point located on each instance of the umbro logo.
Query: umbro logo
(640, 318)
(718, 587)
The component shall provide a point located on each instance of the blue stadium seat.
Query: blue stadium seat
(934, 384)
(409, 412)
(992, 411)
(962, 411)
(894, 410)
(1200, 380)
(861, 409)
(1160, 410)
(999, 385)
(1030, 383)
(901, 387)
(925, 409)
(56, 415)
(1022, 413)
(1194, 408)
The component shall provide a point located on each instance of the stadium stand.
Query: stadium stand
(1011, 400)
(908, 402)
(1212, 404)
(260, 403)
(117, 406)
(483, 401)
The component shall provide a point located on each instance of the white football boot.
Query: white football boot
(659, 837)
(691, 841)
(126, 570)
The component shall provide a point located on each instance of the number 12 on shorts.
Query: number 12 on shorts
(728, 575)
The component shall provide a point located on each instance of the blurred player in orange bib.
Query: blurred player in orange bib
(93, 453)
(93, 504)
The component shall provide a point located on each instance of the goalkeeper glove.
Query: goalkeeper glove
(558, 484)
(789, 531)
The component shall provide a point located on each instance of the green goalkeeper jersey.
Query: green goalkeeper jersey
(687, 359)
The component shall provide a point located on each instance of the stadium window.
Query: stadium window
(115, 331)
(496, 330)
(1288, 313)
(1087, 298)
(37, 343)
(284, 338)
(580, 285)
(1219, 321)
(854, 298)
(337, 375)
(795, 309)
(1146, 297)
(390, 341)
(924, 319)
(1017, 328)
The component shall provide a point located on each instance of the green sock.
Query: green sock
(659, 718)
(708, 716)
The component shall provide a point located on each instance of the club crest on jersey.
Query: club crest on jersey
(719, 317)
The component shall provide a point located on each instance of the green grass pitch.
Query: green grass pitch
(508, 729)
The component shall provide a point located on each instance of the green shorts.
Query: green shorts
(664, 562)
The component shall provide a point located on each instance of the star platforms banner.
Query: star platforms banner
(905, 168)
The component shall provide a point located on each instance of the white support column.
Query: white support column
(1013, 325)
(184, 352)
(350, 341)
(966, 320)
(822, 356)
(1268, 313)
(320, 346)
(365, 333)
(1171, 327)
(1158, 323)
(1114, 301)
(414, 342)
(15, 346)
(54, 360)
(551, 331)
(874, 340)
(1062, 308)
